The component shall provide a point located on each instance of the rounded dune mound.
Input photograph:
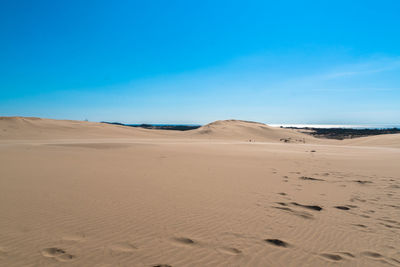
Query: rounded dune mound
(250, 131)
(38, 128)
(383, 140)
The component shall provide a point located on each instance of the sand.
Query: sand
(89, 194)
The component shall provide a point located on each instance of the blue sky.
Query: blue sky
(199, 61)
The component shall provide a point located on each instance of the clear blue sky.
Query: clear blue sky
(199, 61)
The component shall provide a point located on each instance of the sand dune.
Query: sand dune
(38, 128)
(90, 194)
(19, 128)
(250, 131)
(384, 140)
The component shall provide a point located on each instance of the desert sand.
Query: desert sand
(231, 193)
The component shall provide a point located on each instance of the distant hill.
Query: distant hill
(38, 128)
(25, 128)
(249, 131)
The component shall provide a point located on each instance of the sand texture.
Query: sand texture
(89, 194)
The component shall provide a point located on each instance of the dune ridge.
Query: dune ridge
(38, 128)
(250, 131)
(384, 140)
(15, 128)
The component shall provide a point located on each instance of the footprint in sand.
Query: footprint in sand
(301, 214)
(277, 242)
(162, 265)
(361, 225)
(184, 241)
(310, 207)
(362, 182)
(229, 251)
(57, 254)
(332, 257)
(342, 207)
(306, 178)
(372, 254)
(389, 226)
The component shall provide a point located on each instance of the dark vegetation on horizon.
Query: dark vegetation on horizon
(177, 127)
(344, 133)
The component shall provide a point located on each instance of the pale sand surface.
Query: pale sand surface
(89, 194)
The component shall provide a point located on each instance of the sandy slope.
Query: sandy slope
(249, 131)
(88, 194)
(386, 140)
(38, 128)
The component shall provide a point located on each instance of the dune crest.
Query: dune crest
(383, 140)
(250, 131)
(31, 128)
(40, 128)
